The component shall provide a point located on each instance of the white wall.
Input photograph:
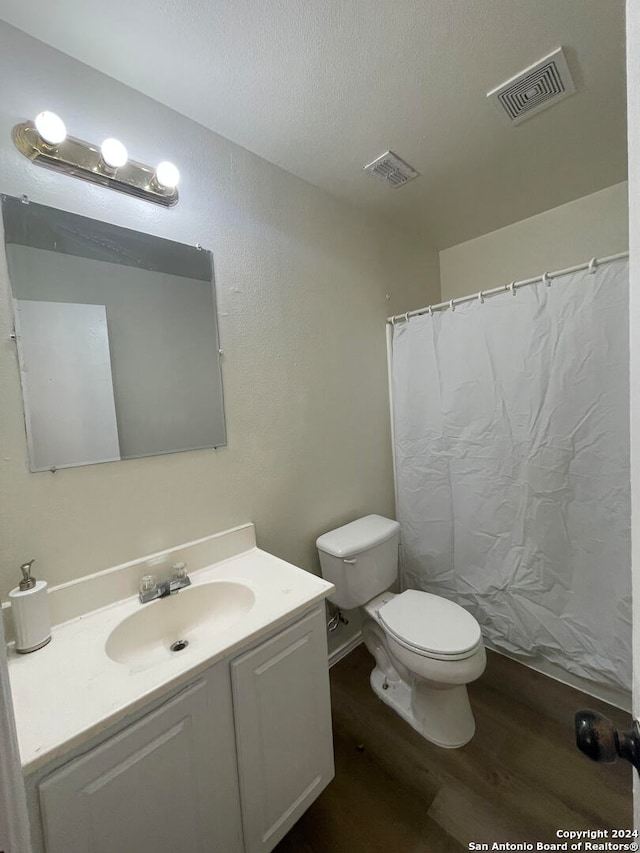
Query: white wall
(633, 123)
(592, 226)
(302, 282)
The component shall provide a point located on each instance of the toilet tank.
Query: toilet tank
(360, 559)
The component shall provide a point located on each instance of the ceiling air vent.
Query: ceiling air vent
(534, 89)
(391, 169)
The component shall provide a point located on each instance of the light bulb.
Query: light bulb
(167, 175)
(114, 153)
(51, 128)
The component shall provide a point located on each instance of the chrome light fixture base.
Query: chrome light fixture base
(81, 159)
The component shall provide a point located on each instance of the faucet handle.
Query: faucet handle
(147, 583)
(179, 571)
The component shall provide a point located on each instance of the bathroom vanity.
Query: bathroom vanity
(220, 746)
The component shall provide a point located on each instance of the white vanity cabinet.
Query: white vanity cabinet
(166, 783)
(283, 729)
(226, 765)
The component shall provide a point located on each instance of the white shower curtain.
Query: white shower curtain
(511, 431)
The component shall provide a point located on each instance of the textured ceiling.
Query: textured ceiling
(321, 87)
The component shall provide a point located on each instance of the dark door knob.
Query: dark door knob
(597, 738)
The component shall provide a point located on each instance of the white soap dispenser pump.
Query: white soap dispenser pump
(30, 610)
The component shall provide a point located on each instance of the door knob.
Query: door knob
(597, 738)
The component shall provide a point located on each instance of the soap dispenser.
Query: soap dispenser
(30, 609)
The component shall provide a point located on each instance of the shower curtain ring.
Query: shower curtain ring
(593, 263)
(452, 306)
(481, 298)
(512, 287)
(430, 310)
(406, 317)
(545, 279)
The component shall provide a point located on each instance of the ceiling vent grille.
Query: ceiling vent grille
(534, 89)
(391, 169)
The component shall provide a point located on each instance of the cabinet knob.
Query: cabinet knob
(597, 738)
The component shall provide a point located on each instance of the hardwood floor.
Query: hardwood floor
(520, 779)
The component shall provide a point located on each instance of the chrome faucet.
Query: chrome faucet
(150, 589)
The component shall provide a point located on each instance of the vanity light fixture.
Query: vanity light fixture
(114, 154)
(45, 142)
(51, 128)
(167, 175)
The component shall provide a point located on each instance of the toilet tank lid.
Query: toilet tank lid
(357, 536)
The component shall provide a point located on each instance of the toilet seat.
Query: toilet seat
(431, 626)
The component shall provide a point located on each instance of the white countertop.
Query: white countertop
(70, 690)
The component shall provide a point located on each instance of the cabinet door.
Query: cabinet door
(160, 786)
(282, 713)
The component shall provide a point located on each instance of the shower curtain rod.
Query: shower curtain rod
(545, 278)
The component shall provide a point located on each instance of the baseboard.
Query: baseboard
(343, 650)
(611, 695)
(618, 698)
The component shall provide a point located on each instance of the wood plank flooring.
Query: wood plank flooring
(520, 779)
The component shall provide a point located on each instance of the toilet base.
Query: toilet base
(443, 717)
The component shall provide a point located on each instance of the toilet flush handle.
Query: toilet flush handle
(350, 562)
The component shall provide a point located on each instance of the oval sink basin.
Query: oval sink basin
(183, 621)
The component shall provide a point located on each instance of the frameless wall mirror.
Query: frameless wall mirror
(117, 339)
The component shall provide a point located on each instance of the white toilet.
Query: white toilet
(427, 649)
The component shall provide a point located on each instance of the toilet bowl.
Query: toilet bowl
(427, 688)
(426, 648)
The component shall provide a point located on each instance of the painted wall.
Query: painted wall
(633, 108)
(302, 283)
(592, 226)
